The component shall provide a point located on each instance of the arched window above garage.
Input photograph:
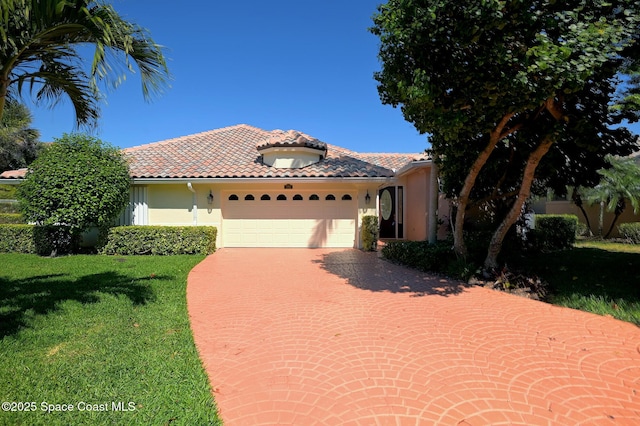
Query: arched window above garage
(314, 197)
(265, 197)
(330, 197)
(346, 197)
(249, 197)
(297, 197)
(281, 197)
(233, 197)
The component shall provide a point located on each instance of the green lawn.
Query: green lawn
(102, 333)
(598, 277)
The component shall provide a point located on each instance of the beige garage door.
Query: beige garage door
(313, 219)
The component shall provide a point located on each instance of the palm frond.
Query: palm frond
(40, 40)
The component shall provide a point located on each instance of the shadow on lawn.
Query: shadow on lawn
(589, 271)
(42, 295)
(364, 270)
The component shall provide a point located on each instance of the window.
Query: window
(330, 197)
(314, 197)
(249, 197)
(265, 197)
(233, 197)
(281, 197)
(297, 197)
(346, 197)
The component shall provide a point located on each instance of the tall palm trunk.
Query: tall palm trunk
(601, 219)
(491, 261)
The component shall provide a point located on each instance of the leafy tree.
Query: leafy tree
(77, 182)
(482, 76)
(19, 143)
(620, 183)
(39, 48)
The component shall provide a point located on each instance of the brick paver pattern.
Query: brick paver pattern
(341, 337)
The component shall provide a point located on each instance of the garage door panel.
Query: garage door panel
(290, 223)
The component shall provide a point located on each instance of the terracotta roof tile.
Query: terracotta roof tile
(290, 138)
(13, 174)
(231, 152)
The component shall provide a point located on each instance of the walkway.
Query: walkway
(340, 337)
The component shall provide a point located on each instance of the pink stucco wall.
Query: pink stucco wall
(417, 205)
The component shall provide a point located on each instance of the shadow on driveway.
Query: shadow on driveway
(366, 271)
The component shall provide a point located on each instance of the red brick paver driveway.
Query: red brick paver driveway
(340, 337)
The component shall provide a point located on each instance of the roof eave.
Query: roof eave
(412, 166)
(11, 181)
(147, 181)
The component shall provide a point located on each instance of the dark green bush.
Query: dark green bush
(16, 238)
(54, 240)
(11, 218)
(369, 233)
(420, 254)
(554, 232)
(160, 240)
(630, 231)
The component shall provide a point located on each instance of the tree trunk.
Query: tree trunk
(4, 86)
(601, 219)
(577, 200)
(491, 262)
(495, 136)
(620, 206)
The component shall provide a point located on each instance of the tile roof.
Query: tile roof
(231, 152)
(13, 174)
(291, 138)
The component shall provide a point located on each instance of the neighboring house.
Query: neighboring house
(275, 188)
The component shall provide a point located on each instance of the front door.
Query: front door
(388, 212)
(391, 220)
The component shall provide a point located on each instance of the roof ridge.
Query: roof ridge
(206, 132)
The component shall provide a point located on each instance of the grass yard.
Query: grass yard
(109, 335)
(598, 277)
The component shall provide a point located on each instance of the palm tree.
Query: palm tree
(619, 184)
(39, 41)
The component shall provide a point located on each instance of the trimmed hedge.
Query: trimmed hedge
(22, 238)
(420, 254)
(9, 206)
(630, 231)
(554, 231)
(11, 218)
(160, 240)
(17, 238)
(369, 233)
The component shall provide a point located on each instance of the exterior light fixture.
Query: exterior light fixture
(367, 198)
(210, 197)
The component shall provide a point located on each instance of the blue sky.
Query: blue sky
(281, 64)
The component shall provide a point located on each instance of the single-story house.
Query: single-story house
(277, 189)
